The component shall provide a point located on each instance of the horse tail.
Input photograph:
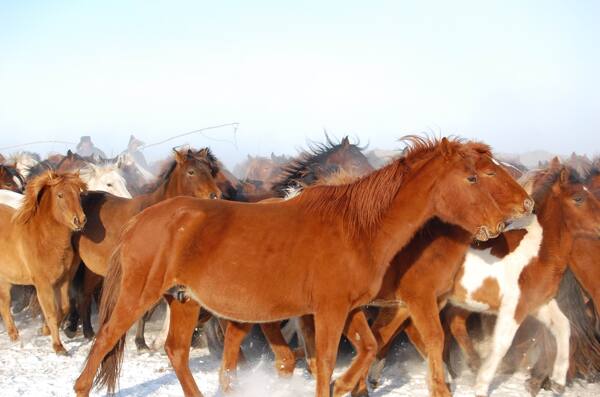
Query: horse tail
(110, 368)
(585, 347)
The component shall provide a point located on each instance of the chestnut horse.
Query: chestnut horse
(189, 174)
(565, 210)
(495, 177)
(35, 242)
(272, 261)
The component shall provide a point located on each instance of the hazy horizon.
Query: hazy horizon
(518, 76)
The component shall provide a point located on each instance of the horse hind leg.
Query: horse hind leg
(183, 318)
(140, 339)
(558, 324)
(5, 312)
(234, 335)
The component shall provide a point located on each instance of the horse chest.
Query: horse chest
(487, 282)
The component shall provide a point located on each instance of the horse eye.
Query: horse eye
(109, 184)
(472, 179)
(60, 195)
(578, 200)
(491, 173)
(191, 172)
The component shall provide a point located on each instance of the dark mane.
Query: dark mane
(12, 172)
(304, 167)
(549, 178)
(594, 171)
(163, 177)
(39, 169)
(356, 202)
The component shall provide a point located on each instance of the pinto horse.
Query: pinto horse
(190, 173)
(272, 261)
(35, 242)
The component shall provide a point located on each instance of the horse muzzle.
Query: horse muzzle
(79, 223)
(484, 233)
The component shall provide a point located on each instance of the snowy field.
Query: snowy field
(29, 367)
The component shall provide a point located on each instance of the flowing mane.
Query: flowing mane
(34, 190)
(355, 201)
(307, 162)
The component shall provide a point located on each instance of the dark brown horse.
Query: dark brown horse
(35, 242)
(11, 179)
(189, 174)
(267, 262)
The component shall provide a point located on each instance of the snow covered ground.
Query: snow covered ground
(29, 367)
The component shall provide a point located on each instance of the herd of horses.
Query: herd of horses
(429, 244)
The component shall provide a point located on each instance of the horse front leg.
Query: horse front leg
(46, 294)
(285, 359)
(558, 324)
(5, 312)
(329, 325)
(504, 333)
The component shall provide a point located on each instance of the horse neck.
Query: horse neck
(46, 230)
(410, 210)
(557, 240)
(162, 192)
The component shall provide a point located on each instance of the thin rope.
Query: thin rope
(36, 143)
(200, 131)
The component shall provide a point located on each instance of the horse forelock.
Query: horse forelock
(34, 191)
(363, 203)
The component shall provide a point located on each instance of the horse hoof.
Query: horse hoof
(360, 393)
(45, 331)
(60, 350)
(14, 337)
(534, 385)
(557, 388)
(141, 345)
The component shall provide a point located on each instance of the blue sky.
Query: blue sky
(517, 75)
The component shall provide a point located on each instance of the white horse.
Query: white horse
(105, 178)
(10, 198)
(23, 162)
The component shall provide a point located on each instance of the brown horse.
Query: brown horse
(189, 174)
(496, 179)
(558, 199)
(35, 242)
(278, 260)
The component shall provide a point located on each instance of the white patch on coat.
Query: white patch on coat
(10, 198)
(481, 264)
(558, 324)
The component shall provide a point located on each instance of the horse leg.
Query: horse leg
(329, 326)
(234, 336)
(91, 282)
(551, 316)
(387, 325)
(47, 297)
(9, 322)
(426, 319)
(183, 317)
(307, 329)
(161, 338)
(504, 333)
(359, 334)
(140, 340)
(130, 305)
(285, 359)
(65, 302)
(457, 321)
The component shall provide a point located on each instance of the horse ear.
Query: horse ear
(445, 147)
(345, 142)
(564, 176)
(179, 157)
(69, 153)
(555, 162)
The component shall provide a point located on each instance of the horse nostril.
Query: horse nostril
(528, 204)
(213, 196)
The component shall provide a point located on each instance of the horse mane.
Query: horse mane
(39, 169)
(34, 191)
(302, 166)
(549, 177)
(594, 171)
(363, 203)
(12, 172)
